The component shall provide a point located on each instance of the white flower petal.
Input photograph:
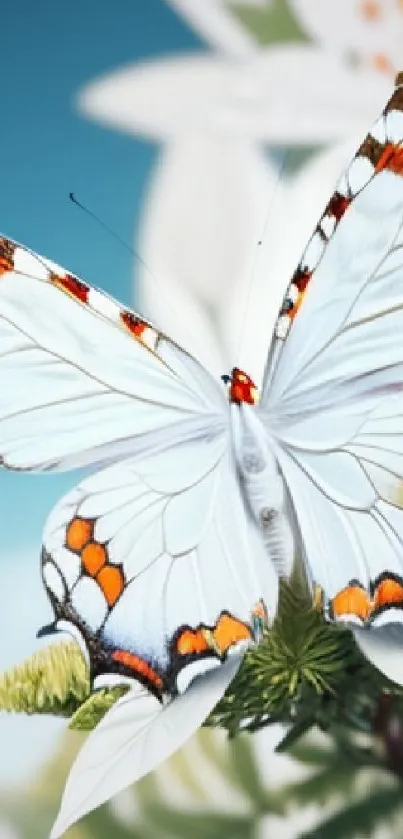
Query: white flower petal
(132, 739)
(384, 648)
(204, 216)
(161, 99)
(367, 27)
(281, 96)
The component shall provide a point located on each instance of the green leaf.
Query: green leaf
(102, 825)
(204, 825)
(89, 714)
(53, 681)
(297, 731)
(321, 787)
(244, 772)
(270, 24)
(311, 753)
(361, 818)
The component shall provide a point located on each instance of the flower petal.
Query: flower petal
(384, 649)
(282, 97)
(368, 27)
(133, 738)
(204, 216)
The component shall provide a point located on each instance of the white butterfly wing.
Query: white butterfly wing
(158, 565)
(133, 737)
(333, 397)
(94, 375)
(157, 568)
(154, 563)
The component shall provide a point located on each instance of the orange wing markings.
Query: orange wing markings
(216, 639)
(7, 249)
(391, 158)
(79, 533)
(71, 285)
(388, 592)
(141, 329)
(380, 155)
(94, 558)
(191, 642)
(111, 582)
(229, 631)
(139, 667)
(354, 599)
(134, 323)
(324, 230)
(337, 205)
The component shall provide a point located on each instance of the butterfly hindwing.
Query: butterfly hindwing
(157, 567)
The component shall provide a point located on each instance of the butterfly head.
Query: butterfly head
(241, 387)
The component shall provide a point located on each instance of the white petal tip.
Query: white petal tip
(384, 649)
(133, 738)
(59, 828)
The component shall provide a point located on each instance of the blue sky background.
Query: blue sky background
(49, 51)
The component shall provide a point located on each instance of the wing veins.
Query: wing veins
(341, 328)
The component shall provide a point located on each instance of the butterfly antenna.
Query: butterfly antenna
(137, 256)
(281, 169)
(111, 232)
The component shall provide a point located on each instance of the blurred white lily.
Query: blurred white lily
(369, 31)
(366, 31)
(213, 187)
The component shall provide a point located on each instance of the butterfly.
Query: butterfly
(164, 563)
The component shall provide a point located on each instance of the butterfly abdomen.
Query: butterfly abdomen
(263, 486)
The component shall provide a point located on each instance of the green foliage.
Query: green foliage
(95, 707)
(359, 818)
(269, 24)
(306, 673)
(53, 681)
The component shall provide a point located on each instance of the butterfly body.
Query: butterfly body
(262, 483)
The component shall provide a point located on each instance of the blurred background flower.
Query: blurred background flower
(196, 129)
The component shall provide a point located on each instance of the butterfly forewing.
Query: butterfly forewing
(333, 399)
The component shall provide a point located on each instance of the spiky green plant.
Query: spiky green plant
(304, 672)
